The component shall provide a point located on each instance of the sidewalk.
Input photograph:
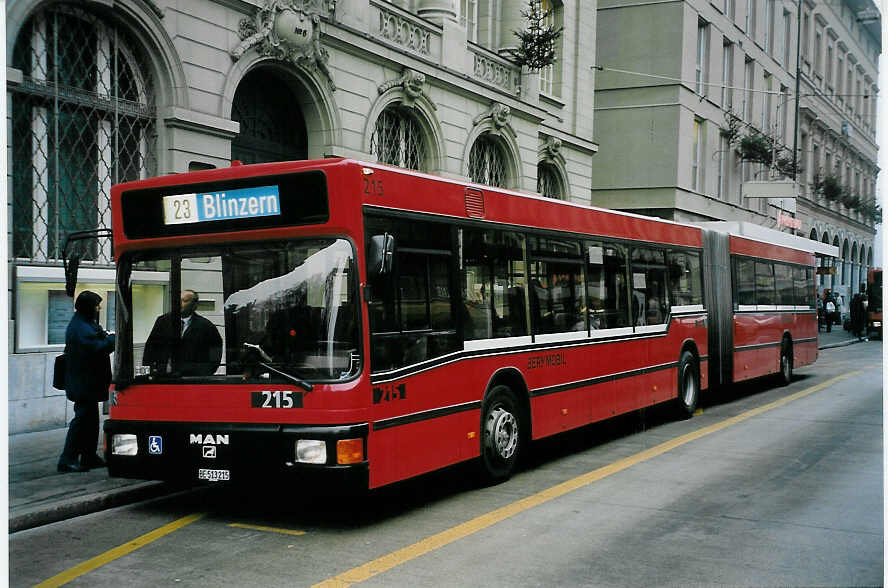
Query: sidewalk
(38, 495)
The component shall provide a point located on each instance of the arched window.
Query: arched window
(487, 162)
(398, 139)
(83, 118)
(548, 182)
(271, 124)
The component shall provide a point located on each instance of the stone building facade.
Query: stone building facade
(695, 98)
(105, 91)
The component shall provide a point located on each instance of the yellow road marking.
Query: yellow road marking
(269, 529)
(396, 558)
(109, 556)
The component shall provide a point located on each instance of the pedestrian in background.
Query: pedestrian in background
(87, 377)
(829, 309)
(858, 313)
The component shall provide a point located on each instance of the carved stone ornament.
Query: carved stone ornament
(552, 148)
(412, 83)
(288, 30)
(500, 117)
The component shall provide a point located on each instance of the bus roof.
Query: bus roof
(501, 204)
(768, 236)
(520, 194)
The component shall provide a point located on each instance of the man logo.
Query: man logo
(209, 451)
(208, 439)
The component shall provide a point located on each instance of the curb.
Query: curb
(840, 344)
(82, 505)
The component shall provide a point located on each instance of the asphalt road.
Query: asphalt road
(768, 486)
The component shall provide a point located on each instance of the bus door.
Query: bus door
(413, 322)
(650, 313)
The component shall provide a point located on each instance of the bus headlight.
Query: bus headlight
(124, 444)
(877, 324)
(311, 451)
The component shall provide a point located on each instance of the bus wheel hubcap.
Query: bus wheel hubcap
(502, 433)
(690, 387)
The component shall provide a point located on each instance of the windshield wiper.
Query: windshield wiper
(298, 381)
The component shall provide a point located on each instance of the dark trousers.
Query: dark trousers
(83, 433)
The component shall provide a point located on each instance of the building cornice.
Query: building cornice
(191, 120)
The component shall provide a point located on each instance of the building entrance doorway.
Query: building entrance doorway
(272, 126)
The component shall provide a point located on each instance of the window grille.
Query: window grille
(398, 139)
(548, 184)
(487, 162)
(83, 118)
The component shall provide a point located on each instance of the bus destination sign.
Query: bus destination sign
(254, 202)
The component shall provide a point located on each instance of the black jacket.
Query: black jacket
(87, 362)
(198, 353)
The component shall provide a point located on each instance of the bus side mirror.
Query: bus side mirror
(71, 267)
(71, 262)
(381, 254)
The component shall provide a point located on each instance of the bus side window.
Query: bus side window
(493, 278)
(783, 278)
(648, 286)
(606, 293)
(556, 286)
(765, 293)
(744, 282)
(477, 283)
(411, 314)
(800, 287)
(810, 293)
(685, 286)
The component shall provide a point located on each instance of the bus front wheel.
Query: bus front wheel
(500, 435)
(688, 385)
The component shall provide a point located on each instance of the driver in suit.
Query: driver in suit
(191, 348)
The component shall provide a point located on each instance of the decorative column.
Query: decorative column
(511, 21)
(438, 11)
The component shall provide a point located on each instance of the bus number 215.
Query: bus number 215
(276, 399)
(373, 187)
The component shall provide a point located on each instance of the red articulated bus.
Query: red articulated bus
(769, 323)
(368, 323)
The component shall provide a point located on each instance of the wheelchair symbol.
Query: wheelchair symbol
(155, 444)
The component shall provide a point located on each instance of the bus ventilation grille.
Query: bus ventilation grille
(475, 203)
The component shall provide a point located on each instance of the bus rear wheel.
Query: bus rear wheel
(500, 435)
(688, 385)
(786, 360)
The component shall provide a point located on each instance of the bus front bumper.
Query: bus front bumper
(235, 452)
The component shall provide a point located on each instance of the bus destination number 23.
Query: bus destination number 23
(276, 399)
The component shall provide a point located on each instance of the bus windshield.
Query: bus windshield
(271, 310)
